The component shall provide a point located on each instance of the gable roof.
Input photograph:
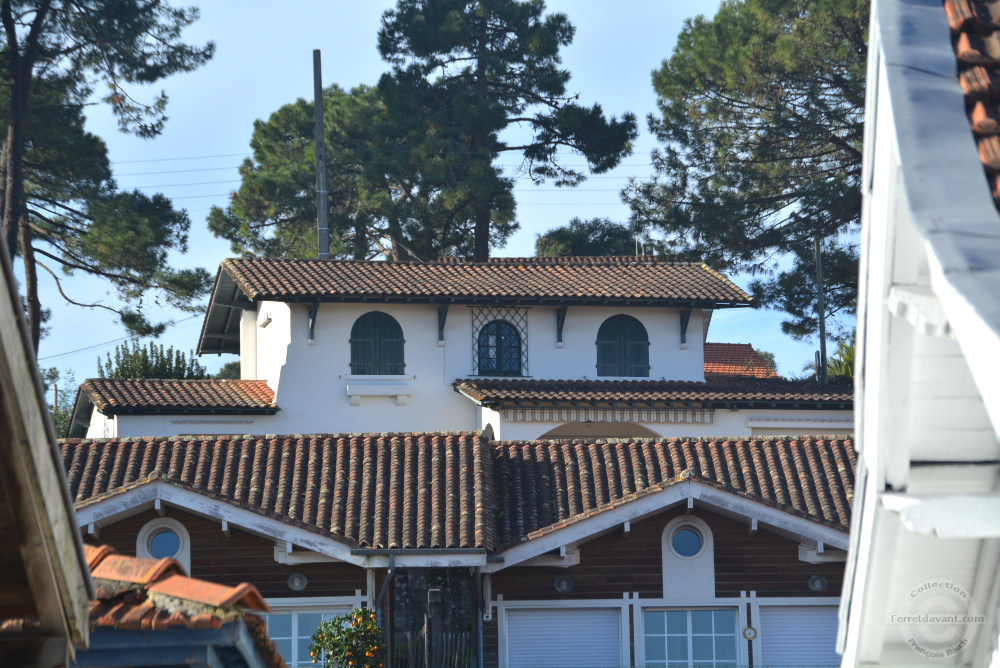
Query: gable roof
(157, 598)
(543, 486)
(617, 280)
(457, 490)
(149, 396)
(399, 491)
(739, 359)
(718, 391)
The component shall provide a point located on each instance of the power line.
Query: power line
(106, 343)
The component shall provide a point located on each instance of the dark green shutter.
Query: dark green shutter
(622, 347)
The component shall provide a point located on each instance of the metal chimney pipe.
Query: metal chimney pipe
(322, 201)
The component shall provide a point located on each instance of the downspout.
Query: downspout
(479, 618)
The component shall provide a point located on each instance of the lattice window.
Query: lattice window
(500, 341)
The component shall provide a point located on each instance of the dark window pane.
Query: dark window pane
(499, 349)
(376, 345)
(687, 543)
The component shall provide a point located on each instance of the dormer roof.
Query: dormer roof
(612, 280)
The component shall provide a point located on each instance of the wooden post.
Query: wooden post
(432, 628)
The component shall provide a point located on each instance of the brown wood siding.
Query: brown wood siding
(241, 557)
(616, 563)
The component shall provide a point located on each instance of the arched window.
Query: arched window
(376, 345)
(499, 349)
(622, 347)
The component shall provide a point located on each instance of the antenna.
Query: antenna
(322, 203)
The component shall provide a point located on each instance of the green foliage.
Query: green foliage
(840, 365)
(229, 371)
(597, 236)
(61, 208)
(463, 72)
(384, 199)
(768, 358)
(60, 396)
(351, 640)
(761, 120)
(151, 361)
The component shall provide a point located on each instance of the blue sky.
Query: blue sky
(264, 60)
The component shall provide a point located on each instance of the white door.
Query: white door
(798, 636)
(558, 637)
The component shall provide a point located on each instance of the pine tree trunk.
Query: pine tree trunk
(480, 152)
(31, 284)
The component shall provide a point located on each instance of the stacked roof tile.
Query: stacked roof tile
(974, 26)
(739, 359)
(411, 491)
(717, 390)
(564, 279)
(150, 595)
(115, 395)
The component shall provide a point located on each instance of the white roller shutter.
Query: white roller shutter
(798, 636)
(570, 637)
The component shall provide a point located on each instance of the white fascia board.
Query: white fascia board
(962, 516)
(143, 497)
(946, 191)
(134, 501)
(976, 325)
(710, 497)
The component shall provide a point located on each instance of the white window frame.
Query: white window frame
(311, 604)
(739, 604)
(756, 603)
(152, 527)
(502, 606)
(690, 629)
(688, 577)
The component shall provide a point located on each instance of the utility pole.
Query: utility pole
(322, 202)
(821, 312)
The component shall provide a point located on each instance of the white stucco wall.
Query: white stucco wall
(725, 423)
(102, 426)
(311, 381)
(129, 426)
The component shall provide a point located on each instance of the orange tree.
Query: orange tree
(353, 640)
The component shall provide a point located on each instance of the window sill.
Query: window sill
(378, 386)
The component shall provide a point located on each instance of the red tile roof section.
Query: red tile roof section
(974, 27)
(716, 388)
(457, 491)
(110, 395)
(566, 278)
(738, 359)
(149, 595)
(543, 486)
(398, 491)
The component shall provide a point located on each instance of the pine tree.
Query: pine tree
(761, 121)
(464, 71)
(59, 203)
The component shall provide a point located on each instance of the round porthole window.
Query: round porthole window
(164, 543)
(687, 541)
(164, 538)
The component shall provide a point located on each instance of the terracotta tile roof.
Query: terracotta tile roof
(542, 486)
(738, 359)
(397, 491)
(115, 395)
(408, 491)
(717, 391)
(571, 279)
(150, 595)
(975, 28)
